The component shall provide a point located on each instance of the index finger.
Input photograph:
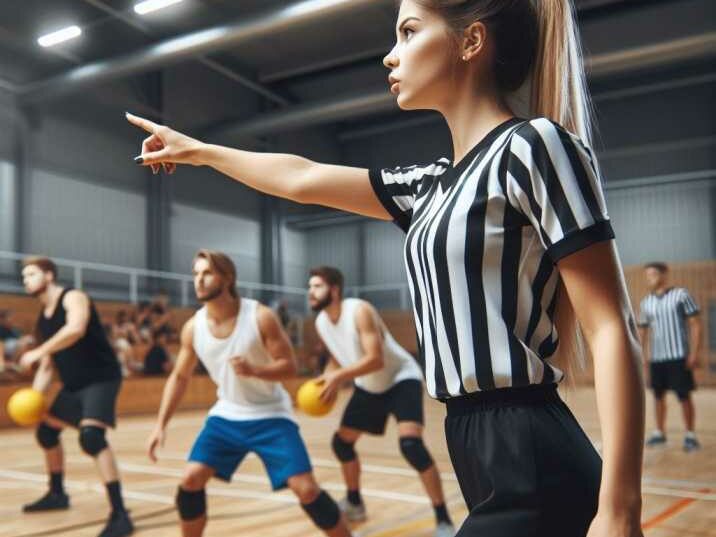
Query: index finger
(141, 122)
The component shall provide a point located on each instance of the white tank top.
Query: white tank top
(240, 398)
(343, 342)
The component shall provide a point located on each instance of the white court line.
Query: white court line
(370, 493)
(328, 463)
(679, 483)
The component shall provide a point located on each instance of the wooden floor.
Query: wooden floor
(679, 488)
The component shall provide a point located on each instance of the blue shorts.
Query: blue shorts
(222, 444)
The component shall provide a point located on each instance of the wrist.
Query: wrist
(200, 154)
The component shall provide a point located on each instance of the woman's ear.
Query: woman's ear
(473, 40)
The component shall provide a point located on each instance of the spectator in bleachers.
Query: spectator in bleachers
(157, 360)
(143, 321)
(12, 343)
(124, 337)
(160, 314)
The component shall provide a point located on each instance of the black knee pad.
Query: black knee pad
(344, 450)
(323, 511)
(48, 437)
(92, 439)
(415, 453)
(191, 504)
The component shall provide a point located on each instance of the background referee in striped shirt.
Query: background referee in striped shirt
(672, 348)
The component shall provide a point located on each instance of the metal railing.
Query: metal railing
(134, 284)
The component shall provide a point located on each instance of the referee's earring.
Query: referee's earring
(464, 57)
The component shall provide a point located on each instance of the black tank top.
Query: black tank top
(89, 360)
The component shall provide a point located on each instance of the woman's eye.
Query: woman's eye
(407, 32)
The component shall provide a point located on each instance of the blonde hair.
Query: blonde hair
(537, 48)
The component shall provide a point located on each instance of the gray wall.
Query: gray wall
(193, 228)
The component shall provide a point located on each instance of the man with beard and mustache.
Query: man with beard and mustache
(246, 353)
(71, 340)
(387, 381)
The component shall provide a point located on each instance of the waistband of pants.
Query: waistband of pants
(502, 397)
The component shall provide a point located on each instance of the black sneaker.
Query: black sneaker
(118, 525)
(51, 501)
(656, 439)
(691, 444)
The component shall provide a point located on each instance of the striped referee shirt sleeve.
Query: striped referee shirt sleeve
(397, 188)
(688, 304)
(551, 178)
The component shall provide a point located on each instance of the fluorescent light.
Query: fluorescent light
(59, 36)
(142, 8)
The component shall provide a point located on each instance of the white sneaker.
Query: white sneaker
(353, 512)
(443, 529)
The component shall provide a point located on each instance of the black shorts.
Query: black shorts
(671, 375)
(96, 401)
(525, 467)
(368, 412)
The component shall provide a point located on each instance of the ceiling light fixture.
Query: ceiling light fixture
(148, 6)
(60, 36)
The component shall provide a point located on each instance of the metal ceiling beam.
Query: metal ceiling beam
(696, 48)
(215, 66)
(193, 44)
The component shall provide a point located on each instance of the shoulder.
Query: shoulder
(541, 131)
(364, 313)
(76, 298)
(266, 318)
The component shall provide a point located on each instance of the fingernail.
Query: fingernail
(139, 160)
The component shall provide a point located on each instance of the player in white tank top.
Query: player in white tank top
(247, 354)
(387, 381)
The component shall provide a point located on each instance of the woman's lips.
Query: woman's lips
(395, 88)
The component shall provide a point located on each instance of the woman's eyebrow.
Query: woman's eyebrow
(400, 27)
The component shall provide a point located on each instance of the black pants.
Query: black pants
(525, 467)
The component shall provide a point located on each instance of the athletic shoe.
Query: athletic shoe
(443, 529)
(691, 444)
(354, 512)
(118, 525)
(51, 501)
(656, 439)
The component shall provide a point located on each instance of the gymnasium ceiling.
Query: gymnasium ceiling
(235, 61)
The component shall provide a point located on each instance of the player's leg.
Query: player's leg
(659, 384)
(191, 498)
(280, 447)
(217, 451)
(683, 385)
(98, 414)
(318, 505)
(405, 401)
(365, 412)
(343, 445)
(47, 435)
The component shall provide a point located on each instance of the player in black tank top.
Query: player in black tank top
(72, 341)
(90, 359)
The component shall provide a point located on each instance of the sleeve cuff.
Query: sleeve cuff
(693, 313)
(386, 200)
(580, 239)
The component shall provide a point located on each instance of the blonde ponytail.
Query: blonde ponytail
(559, 86)
(559, 92)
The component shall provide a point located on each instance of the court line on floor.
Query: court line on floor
(671, 511)
(328, 463)
(367, 492)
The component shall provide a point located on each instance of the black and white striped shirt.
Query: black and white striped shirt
(482, 241)
(665, 316)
